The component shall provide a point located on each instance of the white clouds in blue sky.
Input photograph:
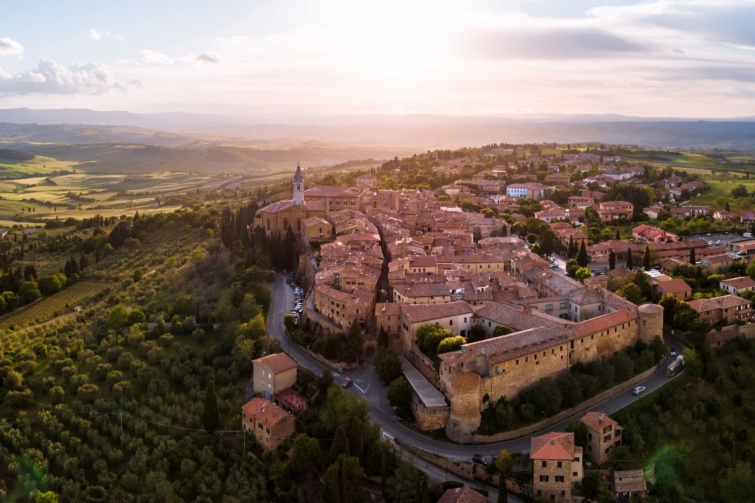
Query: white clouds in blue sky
(653, 57)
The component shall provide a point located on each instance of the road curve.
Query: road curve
(367, 385)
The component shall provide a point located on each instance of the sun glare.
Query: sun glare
(394, 39)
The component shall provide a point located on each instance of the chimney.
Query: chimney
(527, 308)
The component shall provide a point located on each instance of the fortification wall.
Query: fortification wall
(430, 419)
(651, 322)
(604, 343)
(510, 377)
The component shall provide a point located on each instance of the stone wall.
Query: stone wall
(430, 418)
(604, 343)
(561, 416)
(424, 364)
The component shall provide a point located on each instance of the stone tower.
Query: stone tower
(298, 193)
(651, 322)
(465, 414)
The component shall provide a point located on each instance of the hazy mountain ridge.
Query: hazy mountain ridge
(418, 133)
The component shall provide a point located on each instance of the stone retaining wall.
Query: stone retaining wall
(563, 415)
(430, 418)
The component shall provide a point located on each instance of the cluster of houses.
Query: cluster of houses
(559, 464)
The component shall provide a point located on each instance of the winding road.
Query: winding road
(368, 385)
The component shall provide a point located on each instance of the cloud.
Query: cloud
(51, 78)
(207, 57)
(153, 58)
(538, 43)
(97, 35)
(9, 47)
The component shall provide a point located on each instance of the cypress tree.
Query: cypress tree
(618, 235)
(582, 258)
(726, 207)
(630, 262)
(570, 251)
(504, 231)
(646, 259)
(692, 258)
(503, 495)
(211, 415)
(612, 260)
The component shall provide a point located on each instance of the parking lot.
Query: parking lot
(716, 239)
(298, 297)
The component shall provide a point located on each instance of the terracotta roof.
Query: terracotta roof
(739, 283)
(265, 411)
(277, 362)
(555, 445)
(329, 191)
(417, 313)
(462, 495)
(674, 286)
(604, 322)
(387, 309)
(464, 381)
(596, 421)
(723, 302)
(630, 481)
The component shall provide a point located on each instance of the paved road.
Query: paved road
(367, 384)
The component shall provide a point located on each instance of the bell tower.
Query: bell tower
(298, 192)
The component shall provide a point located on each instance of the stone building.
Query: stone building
(274, 373)
(269, 424)
(730, 308)
(602, 434)
(557, 466)
(278, 217)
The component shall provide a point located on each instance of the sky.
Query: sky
(653, 58)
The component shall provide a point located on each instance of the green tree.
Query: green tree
(504, 462)
(344, 479)
(618, 235)
(400, 394)
(646, 259)
(340, 443)
(738, 484)
(307, 454)
(502, 330)
(29, 292)
(692, 258)
(52, 283)
(387, 365)
(118, 317)
(183, 306)
(136, 316)
(211, 414)
(46, 497)
(630, 260)
(611, 260)
(582, 258)
(13, 380)
(632, 293)
(582, 274)
(450, 344)
(739, 191)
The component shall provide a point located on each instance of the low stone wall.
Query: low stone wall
(430, 418)
(464, 469)
(423, 364)
(563, 415)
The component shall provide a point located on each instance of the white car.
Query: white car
(638, 389)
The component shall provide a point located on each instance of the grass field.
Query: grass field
(53, 306)
(38, 165)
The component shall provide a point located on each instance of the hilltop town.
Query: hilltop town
(485, 286)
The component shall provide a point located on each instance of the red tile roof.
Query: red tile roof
(277, 362)
(553, 446)
(462, 495)
(265, 411)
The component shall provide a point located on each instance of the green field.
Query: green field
(38, 165)
(54, 305)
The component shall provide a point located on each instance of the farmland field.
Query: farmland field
(53, 306)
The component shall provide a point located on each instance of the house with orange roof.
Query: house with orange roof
(557, 466)
(462, 495)
(737, 285)
(269, 424)
(730, 308)
(676, 287)
(273, 373)
(602, 434)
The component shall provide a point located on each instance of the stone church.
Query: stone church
(279, 216)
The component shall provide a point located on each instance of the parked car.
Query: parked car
(348, 383)
(638, 389)
(672, 352)
(479, 458)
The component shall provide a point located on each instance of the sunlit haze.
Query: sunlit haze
(681, 58)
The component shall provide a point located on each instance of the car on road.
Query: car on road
(553, 265)
(672, 352)
(480, 459)
(638, 389)
(348, 383)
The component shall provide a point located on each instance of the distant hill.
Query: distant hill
(411, 132)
